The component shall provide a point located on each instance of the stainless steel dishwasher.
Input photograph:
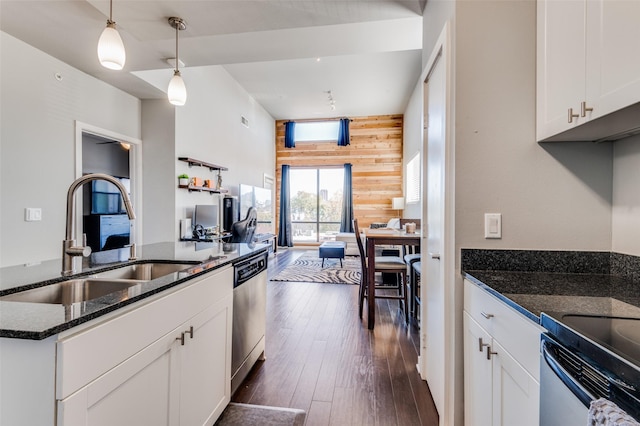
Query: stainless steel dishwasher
(249, 316)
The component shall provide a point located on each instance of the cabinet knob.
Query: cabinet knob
(572, 115)
(486, 315)
(584, 109)
(190, 331)
(490, 352)
(181, 338)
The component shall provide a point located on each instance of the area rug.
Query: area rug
(259, 415)
(308, 268)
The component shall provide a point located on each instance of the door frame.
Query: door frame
(442, 53)
(135, 172)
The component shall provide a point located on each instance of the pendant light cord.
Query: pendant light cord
(177, 57)
(111, 12)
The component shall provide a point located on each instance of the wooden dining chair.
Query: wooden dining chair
(393, 264)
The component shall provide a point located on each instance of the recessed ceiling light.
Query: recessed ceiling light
(318, 59)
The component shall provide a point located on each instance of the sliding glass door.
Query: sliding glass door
(316, 203)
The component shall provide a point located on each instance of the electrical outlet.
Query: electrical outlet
(32, 214)
(492, 225)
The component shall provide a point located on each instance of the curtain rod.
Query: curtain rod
(317, 120)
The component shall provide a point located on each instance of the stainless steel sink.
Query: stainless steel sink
(144, 271)
(129, 277)
(73, 291)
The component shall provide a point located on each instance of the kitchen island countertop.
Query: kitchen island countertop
(38, 321)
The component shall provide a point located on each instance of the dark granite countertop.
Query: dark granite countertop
(38, 321)
(533, 292)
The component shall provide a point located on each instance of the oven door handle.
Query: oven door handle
(574, 386)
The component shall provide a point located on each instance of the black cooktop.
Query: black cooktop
(612, 344)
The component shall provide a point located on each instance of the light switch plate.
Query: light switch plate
(32, 214)
(492, 225)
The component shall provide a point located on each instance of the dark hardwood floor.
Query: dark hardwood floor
(322, 358)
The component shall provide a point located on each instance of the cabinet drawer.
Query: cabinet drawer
(517, 334)
(111, 342)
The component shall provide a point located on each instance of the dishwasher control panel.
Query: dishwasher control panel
(248, 269)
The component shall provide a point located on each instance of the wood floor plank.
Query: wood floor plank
(319, 414)
(322, 358)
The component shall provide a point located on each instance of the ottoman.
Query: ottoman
(332, 250)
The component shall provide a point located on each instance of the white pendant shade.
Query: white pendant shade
(177, 92)
(111, 49)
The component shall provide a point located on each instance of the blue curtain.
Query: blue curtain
(346, 223)
(289, 134)
(343, 132)
(284, 231)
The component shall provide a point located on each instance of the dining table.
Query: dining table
(383, 237)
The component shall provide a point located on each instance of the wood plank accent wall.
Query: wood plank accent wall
(375, 153)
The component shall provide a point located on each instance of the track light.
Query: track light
(110, 47)
(177, 91)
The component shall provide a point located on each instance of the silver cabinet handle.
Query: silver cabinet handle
(490, 352)
(572, 115)
(435, 256)
(486, 315)
(181, 338)
(481, 344)
(584, 109)
(190, 331)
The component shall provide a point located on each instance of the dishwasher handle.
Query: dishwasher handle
(569, 381)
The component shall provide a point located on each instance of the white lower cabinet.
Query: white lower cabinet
(499, 388)
(181, 378)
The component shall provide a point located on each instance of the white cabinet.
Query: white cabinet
(501, 363)
(130, 366)
(585, 66)
(183, 378)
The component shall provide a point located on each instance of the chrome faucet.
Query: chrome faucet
(69, 247)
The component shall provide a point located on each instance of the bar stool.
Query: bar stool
(415, 290)
(410, 259)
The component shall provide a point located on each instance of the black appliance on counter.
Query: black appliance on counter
(584, 358)
(230, 212)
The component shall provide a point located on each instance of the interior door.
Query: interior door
(434, 309)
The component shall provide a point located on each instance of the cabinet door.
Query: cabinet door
(613, 71)
(477, 374)
(140, 391)
(206, 365)
(516, 395)
(561, 47)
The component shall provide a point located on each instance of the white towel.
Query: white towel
(603, 412)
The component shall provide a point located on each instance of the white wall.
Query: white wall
(626, 196)
(208, 128)
(37, 143)
(552, 196)
(158, 179)
(412, 143)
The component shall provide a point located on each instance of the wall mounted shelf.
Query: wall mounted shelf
(193, 162)
(193, 188)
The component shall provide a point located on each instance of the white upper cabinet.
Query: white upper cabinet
(587, 68)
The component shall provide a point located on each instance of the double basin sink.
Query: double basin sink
(97, 285)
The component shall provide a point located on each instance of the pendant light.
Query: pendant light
(177, 91)
(110, 47)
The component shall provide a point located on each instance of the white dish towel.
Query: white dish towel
(603, 412)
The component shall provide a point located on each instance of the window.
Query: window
(413, 180)
(316, 203)
(314, 131)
